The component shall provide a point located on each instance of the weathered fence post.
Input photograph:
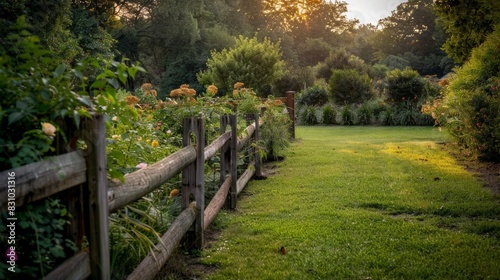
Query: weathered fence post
(96, 223)
(290, 106)
(193, 179)
(229, 159)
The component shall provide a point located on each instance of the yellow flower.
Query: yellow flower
(49, 129)
(116, 137)
(154, 144)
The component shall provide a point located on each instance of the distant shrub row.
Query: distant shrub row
(374, 112)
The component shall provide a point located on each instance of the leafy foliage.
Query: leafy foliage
(468, 23)
(41, 246)
(35, 91)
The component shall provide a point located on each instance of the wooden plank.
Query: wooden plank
(216, 145)
(245, 178)
(143, 181)
(233, 162)
(216, 203)
(199, 195)
(74, 268)
(150, 265)
(42, 179)
(94, 134)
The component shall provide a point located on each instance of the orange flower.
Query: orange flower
(183, 90)
(176, 93)
(146, 87)
(174, 193)
(131, 100)
(212, 90)
(238, 85)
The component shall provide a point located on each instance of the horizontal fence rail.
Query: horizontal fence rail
(42, 179)
(102, 196)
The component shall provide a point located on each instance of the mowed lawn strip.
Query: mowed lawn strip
(362, 203)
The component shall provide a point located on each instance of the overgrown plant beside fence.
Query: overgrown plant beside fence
(82, 176)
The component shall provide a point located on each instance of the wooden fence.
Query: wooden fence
(91, 197)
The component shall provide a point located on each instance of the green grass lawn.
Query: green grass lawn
(362, 203)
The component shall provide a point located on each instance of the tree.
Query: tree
(411, 29)
(468, 22)
(49, 20)
(340, 59)
(257, 64)
(283, 14)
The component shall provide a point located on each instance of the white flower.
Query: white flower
(141, 165)
(115, 118)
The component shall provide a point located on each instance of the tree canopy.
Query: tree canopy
(468, 22)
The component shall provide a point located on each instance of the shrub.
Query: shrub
(349, 86)
(258, 64)
(405, 85)
(347, 116)
(274, 133)
(308, 116)
(388, 117)
(408, 114)
(329, 114)
(313, 96)
(365, 114)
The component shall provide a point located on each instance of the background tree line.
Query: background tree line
(173, 39)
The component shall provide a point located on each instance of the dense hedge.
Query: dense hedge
(472, 100)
